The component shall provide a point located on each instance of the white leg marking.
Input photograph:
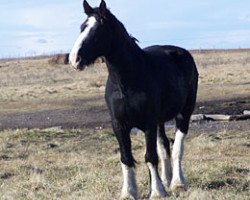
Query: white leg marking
(166, 167)
(156, 187)
(129, 188)
(74, 52)
(178, 180)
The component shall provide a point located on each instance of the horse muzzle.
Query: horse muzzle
(77, 63)
(79, 67)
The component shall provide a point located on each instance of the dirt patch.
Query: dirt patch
(224, 106)
(78, 116)
(97, 115)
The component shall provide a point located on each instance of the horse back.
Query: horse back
(172, 60)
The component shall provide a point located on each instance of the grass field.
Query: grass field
(56, 163)
(84, 164)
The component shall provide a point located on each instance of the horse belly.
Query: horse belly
(170, 107)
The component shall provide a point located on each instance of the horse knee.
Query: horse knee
(123, 138)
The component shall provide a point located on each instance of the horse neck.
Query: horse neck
(125, 59)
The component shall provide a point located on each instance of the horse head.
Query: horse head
(95, 36)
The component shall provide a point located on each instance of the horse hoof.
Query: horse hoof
(178, 189)
(166, 183)
(128, 197)
(157, 195)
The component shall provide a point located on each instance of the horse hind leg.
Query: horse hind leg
(178, 181)
(156, 187)
(163, 149)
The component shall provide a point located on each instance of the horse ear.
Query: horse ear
(103, 9)
(87, 8)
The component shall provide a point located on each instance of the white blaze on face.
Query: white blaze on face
(74, 52)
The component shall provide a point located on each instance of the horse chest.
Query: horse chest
(128, 108)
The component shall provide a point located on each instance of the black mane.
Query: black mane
(120, 29)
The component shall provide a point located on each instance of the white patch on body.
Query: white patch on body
(156, 188)
(166, 168)
(74, 52)
(178, 180)
(129, 188)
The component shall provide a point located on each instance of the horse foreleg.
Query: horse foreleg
(129, 188)
(163, 149)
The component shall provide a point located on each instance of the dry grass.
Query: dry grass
(33, 85)
(84, 164)
(223, 74)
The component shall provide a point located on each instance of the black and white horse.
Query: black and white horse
(145, 88)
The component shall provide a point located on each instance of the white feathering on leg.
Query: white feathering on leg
(157, 188)
(166, 167)
(129, 188)
(177, 154)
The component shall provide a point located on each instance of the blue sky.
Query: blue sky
(30, 27)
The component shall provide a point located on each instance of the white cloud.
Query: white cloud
(42, 41)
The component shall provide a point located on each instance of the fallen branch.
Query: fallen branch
(246, 112)
(239, 117)
(219, 117)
